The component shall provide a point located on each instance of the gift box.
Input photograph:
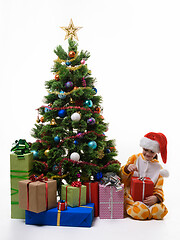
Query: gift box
(37, 196)
(111, 202)
(62, 205)
(74, 217)
(141, 188)
(92, 195)
(74, 196)
(19, 170)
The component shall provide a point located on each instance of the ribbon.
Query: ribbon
(76, 184)
(58, 217)
(143, 179)
(21, 147)
(41, 178)
(23, 177)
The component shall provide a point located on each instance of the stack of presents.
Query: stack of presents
(35, 198)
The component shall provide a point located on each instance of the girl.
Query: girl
(145, 164)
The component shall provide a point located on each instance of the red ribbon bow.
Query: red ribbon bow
(76, 184)
(41, 178)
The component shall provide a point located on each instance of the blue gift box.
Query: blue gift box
(74, 217)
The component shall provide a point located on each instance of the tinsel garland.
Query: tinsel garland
(79, 135)
(87, 163)
(70, 107)
(70, 60)
(68, 93)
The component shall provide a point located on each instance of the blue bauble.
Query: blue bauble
(98, 176)
(68, 63)
(95, 90)
(62, 113)
(107, 150)
(47, 110)
(61, 95)
(75, 142)
(35, 154)
(56, 139)
(88, 103)
(92, 144)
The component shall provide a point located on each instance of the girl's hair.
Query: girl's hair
(156, 157)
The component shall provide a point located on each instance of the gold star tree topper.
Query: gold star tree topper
(71, 30)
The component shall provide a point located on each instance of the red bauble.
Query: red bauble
(72, 54)
(56, 77)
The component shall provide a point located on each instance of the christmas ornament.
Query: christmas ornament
(91, 121)
(47, 110)
(37, 120)
(35, 154)
(68, 63)
(88, 103)
(82, 61)
(56, 77)
(108, 150)
(71, 31)
(72, 54)
(61, 95)
(95, 90)
(100, 154)
(53, 122)
(42, 119)
(55, 168)
(78, 175)
(46, 152)
(69, 84)
(98, 176)
(76, 117)
(75, 142)
(57, 139)
(75, 156)
(79, 135)
(97, 109)
(62, 113)
(71, 100)
(92, 144)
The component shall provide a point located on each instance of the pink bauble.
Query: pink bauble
(82, 61)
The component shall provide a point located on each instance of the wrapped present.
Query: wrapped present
(74, 217)
(92, 195)
(74, 196)
(111, 202)
(37, 194)
(19, 170)
(141, 188)
(62, 205)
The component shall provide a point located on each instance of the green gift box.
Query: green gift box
(74, 196)
(19, 170)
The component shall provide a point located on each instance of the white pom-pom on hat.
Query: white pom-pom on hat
(164, 173)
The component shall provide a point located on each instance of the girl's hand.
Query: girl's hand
(132, 168)
(151, 200)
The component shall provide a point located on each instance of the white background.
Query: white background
(135, 57)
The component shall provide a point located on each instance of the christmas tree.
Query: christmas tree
(70, 131)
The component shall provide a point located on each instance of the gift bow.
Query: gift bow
(76, 184)
(41, 178)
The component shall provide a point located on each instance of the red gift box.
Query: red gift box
(62, 205)
(141, 188)
(92, 195)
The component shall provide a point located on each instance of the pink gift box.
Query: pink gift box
(111, 202)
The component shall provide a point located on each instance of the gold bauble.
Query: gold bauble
(53, 122)
(46, 152)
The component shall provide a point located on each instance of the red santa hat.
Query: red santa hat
(156, 142)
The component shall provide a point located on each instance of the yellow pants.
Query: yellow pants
(138, 210)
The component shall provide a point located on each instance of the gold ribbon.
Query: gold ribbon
(58, 217)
